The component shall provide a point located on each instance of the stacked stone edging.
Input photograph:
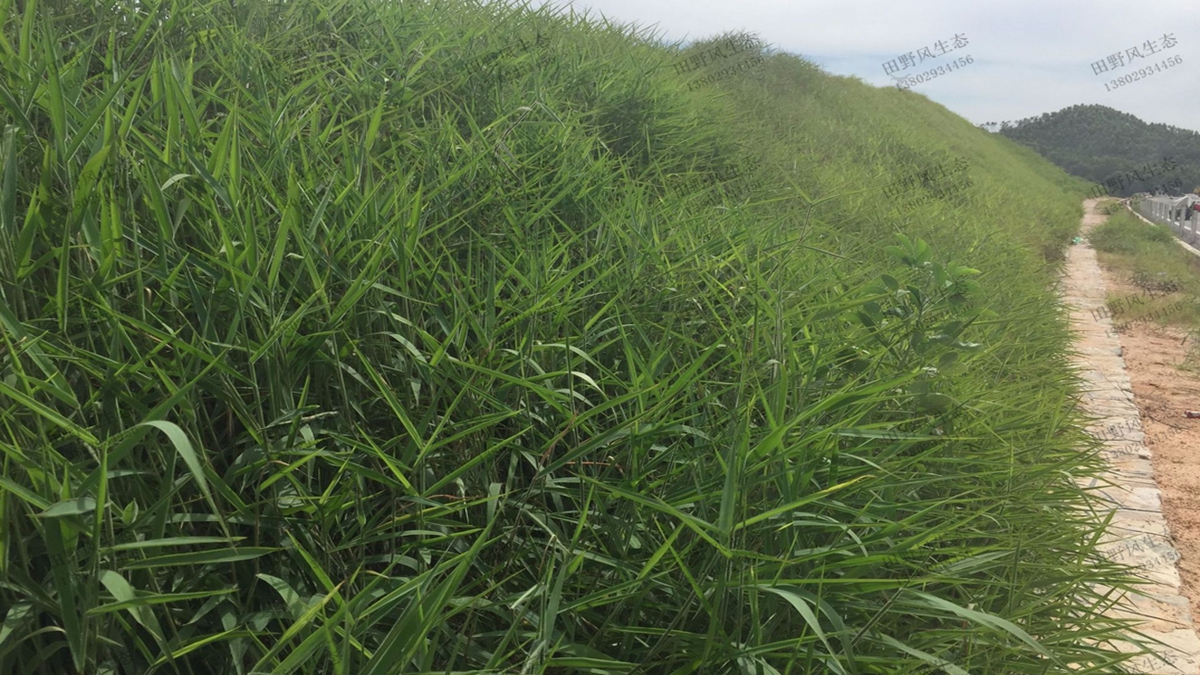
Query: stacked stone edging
(1138, 534)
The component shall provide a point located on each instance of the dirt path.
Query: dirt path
(1139, 534)
(1163, 392)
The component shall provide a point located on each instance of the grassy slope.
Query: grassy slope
(456, 373)
(1168, 277)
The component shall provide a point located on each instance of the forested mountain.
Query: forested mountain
(1110, 147)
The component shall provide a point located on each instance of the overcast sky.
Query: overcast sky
(1030, 56)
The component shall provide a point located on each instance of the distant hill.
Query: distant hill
(1113, 148)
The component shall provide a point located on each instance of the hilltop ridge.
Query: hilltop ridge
(1113, 148)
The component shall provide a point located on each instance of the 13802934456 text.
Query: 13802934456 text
(928, 75)
(1142, 73)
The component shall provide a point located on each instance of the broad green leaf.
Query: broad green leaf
(70, 507)
(208, 557)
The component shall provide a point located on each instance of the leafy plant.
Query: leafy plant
(324, 352)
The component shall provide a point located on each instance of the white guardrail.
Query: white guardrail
(1174, 212)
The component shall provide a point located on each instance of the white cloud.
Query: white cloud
(1031, 56)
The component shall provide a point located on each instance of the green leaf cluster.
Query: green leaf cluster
(323, 352)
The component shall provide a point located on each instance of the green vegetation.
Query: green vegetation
(325, 350)
(1098, 143)
(1124, 233)
(1151, 258)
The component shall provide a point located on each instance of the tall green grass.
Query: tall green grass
(326, 349)
(1168, 277)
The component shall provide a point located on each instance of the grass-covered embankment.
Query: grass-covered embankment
(1168, 276)
(344, 337)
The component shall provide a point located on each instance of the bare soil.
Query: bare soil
(1163, 392)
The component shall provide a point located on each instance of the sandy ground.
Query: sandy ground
(1163, 392)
